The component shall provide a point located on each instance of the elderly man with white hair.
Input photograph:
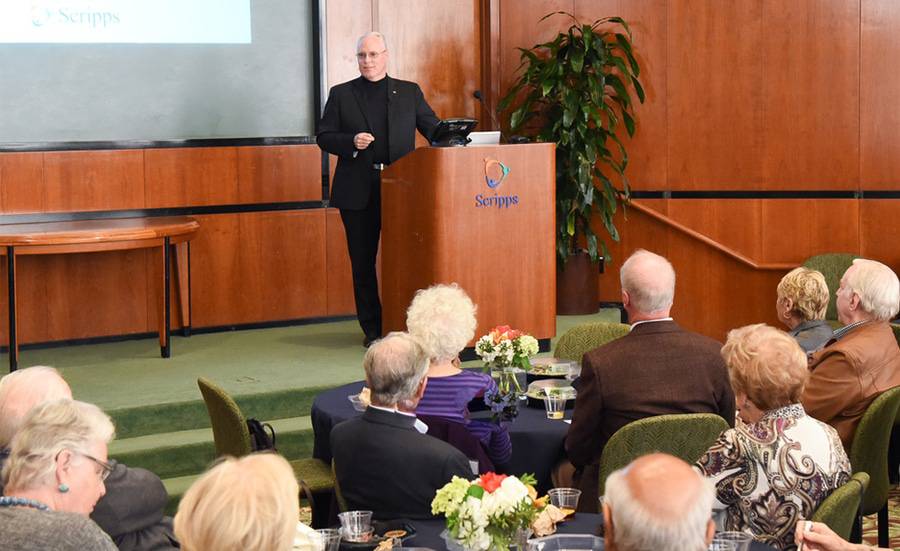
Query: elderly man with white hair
(658, 368)
(658, 502)
(863, 359)
(132, 511)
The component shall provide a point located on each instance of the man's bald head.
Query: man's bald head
(658, 502)
(648, 285)
(22, 390)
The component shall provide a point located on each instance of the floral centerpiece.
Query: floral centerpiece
(493, 511)
(507, 352)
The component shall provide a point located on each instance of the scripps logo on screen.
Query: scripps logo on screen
(45, 16)
(495, 173)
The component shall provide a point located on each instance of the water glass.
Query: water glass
(741, 540)
(565, 498)
(721, 545)
(555, 404)
(331, 538)
(356, 526)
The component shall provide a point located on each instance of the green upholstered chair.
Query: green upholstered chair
(585, 337)
(232, 437)
(338, 496)
(832, 266)
(687, 436)
(869, 454)
(839, 510)
(896, 328)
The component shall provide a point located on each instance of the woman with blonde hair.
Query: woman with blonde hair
(777, 464)
(53, 478)
(442, 318)
(246, 504)
(801, 305)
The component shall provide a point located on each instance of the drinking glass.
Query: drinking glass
(565, 498)
(555, 404)
(741, 540)
(356, 526)
(331, 538)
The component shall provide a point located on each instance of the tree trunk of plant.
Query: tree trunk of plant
(576, 286)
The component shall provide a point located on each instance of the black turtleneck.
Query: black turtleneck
(376, 94)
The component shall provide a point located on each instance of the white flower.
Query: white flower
(528, 345)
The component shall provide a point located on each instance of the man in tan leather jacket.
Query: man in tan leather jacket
(863, 359)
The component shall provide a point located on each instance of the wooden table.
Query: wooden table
(84, 236)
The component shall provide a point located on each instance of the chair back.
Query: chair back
(338, 495)
(869, 451)
(895, 327)
(457, 435)
(229, 426)
(838, 510)
(832, 266)
(684, 435)
(585, 337)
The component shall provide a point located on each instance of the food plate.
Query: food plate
(552, 367)
(381, 528)
(536, 393)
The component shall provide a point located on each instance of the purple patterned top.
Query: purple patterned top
(449, 397)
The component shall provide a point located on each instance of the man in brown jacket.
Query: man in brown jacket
(658, 368)
(863, 359)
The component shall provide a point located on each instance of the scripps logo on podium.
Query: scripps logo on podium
(495, 173)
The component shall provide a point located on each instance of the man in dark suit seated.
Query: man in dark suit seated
(132, 510)
(383, 460)
(658, 368)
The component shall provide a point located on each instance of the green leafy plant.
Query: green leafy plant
(575, 91)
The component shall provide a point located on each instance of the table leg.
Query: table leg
(183, 275)
(164, 337)
(11, 287)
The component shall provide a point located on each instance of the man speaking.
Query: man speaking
(369, 123)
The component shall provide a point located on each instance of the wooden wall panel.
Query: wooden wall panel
(346, 21)
(279, 173)
(879, 228)
(191, 176)
(715, 100)
(339, 281)
(90, 180)
(216, 271)
(735, 223)
(811, 94)
(648, 23)
(20, 177)
(795, 229)
(879, 89)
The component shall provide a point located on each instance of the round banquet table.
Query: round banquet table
(537, 442)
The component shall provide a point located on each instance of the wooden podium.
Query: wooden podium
(481, 216)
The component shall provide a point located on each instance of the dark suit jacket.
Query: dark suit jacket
(658, 368)
(345, 117)
(384, 464)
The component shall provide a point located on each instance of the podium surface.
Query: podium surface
(480, 216)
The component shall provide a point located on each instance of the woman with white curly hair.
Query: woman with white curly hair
(442, 318)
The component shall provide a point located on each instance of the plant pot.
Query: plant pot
(576, 286)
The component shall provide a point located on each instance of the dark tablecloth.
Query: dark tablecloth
(537, 442)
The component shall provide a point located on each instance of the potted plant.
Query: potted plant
(575, 90)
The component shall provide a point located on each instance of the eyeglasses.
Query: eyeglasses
(362, 56)
(105, 467)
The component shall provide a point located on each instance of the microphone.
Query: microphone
(477, 95)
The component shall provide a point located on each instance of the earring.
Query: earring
(63, 488)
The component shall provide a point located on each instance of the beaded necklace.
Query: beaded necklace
(7, 501)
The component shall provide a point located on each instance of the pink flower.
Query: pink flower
(490, 481)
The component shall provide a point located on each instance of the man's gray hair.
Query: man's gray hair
(649, 280)
(376, 34)
(877, 287)
(637, 528)
(24, 389)
(48, 429)
(395, 365)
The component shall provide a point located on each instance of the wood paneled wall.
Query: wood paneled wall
(755, 96)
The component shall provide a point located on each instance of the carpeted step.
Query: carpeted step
(182, 453)
(186, 416)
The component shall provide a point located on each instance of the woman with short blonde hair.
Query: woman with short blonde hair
(801, 305)
(246, 504)
(777, 464)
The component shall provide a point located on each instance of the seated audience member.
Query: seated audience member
(383, 460)
(657, 502)
(801, 305)
(54, 475)
(778, 463)
(131, 512)
(442, 317)
(658, 368)
(863, 359)
(819, 537)
(246, 504)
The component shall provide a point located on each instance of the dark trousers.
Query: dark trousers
(363, 230)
